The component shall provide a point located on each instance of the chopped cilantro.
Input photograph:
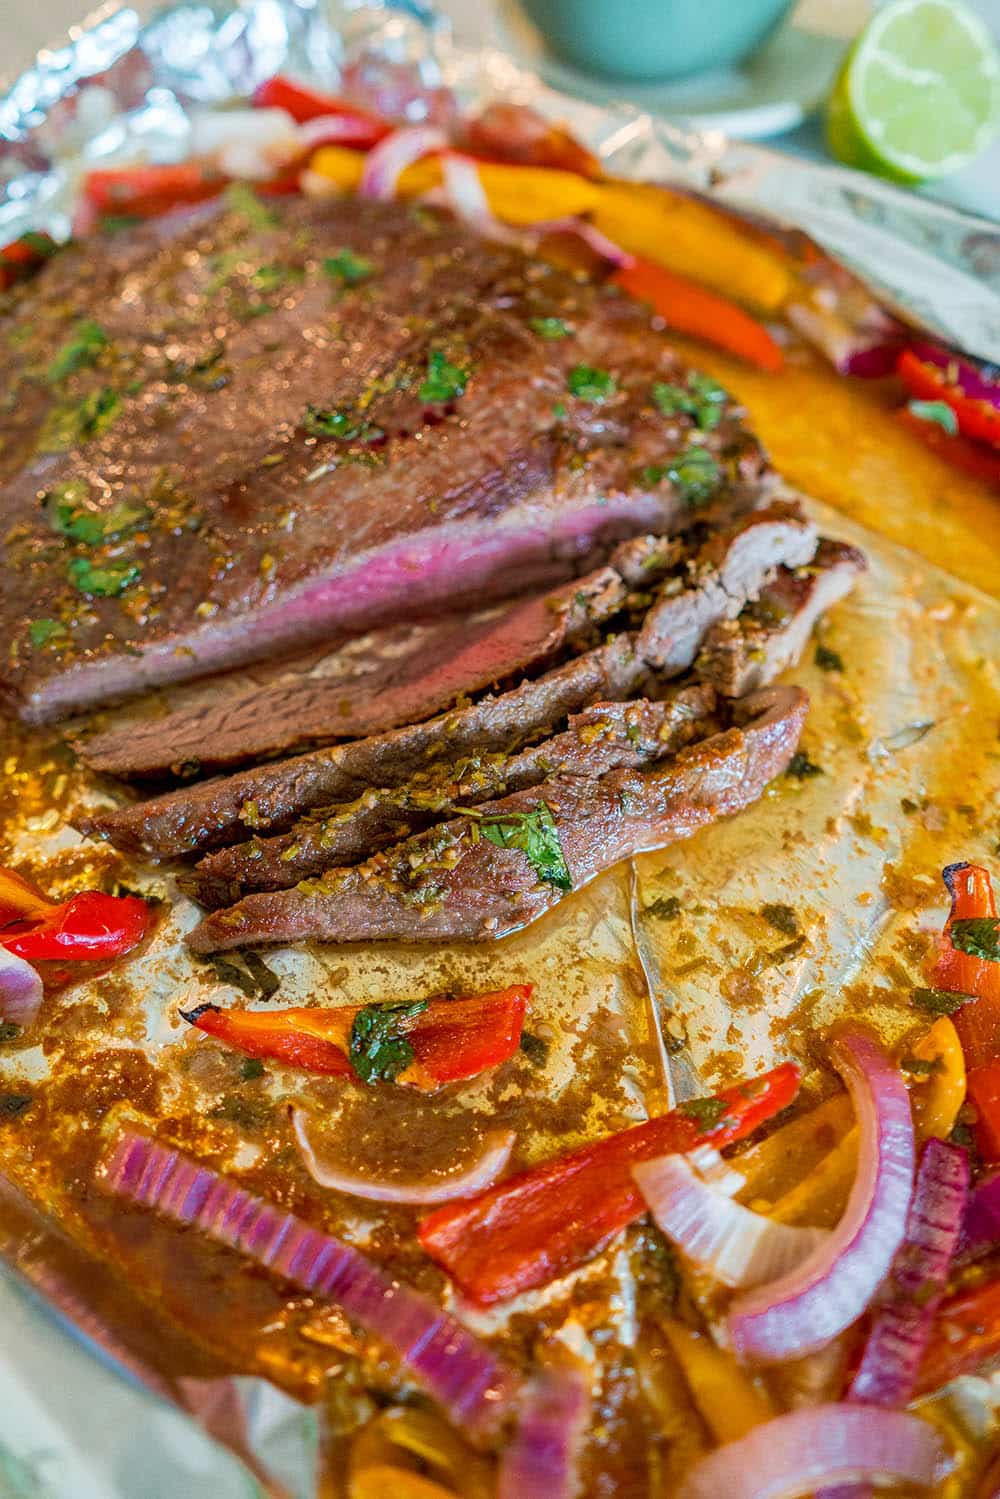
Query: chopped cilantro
(252, 1068)
(939, 1001)
(781, 917)
(590, 384)
(702, 399)
(828, 660)
(248, 1114)
(695, 474)
(707, 1113)
(559, 411)
(67, 425)
(979, 936)
(379, 1050)
(536, 835)
(105, 581)
(66, 507)
(339, 424)
(938, 412)
(80, 350)
(247, 972)
(444, 381)
(272, 277)
(9, 1031)
(13, 1105)
(117, 223)
(266, 980)
(801, 767)
(348, 268)
(664, 908)
(39, 244)
(42, 631)
(908, 805)
(920, 1066)
(534, 1048)
(245, 202)
(549, 328)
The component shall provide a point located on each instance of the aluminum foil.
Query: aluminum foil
(119, 90)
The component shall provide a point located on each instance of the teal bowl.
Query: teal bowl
(655, 39)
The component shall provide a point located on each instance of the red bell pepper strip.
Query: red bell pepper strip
(976, 418)
(146, 192)
(359, 127)
(982, 1086)
(525, 1231)
(978, 1021)
(17, 260)
(517, 134)
(88, 926)
(452, 1039)
(973, 458)
(689, 308)
(966, 1335)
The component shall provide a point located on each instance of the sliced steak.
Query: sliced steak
(272, 797)
(729, 570)
(240, 455)
(455, 882)
(390, 677)
(742, 654)
(602, 738)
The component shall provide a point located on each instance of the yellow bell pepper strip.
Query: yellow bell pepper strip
(387, 1482)
(684, 235)
(780, 1161)
(729, 1401)
(689, 308)
(939, 1094)
(820, 1198)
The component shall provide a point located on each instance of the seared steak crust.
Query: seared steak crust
(450, 883)
(262, 455)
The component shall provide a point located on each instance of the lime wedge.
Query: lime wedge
(919, 94)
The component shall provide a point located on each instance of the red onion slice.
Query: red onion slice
(807, 1449)
(797, 1314)
(887, 1374)
(981, 1226)
(541, 1461)
(482, 1171)
(385, 163)
(20, 989)
(466, 197)
(462, 1374)
(739, 1247)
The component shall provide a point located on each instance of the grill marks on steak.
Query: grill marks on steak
(260, 537)
(391, 677)
(450, 882)
(271, 797)
(739, 655)
(604, 737)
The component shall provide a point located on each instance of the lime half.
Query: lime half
(919, 93)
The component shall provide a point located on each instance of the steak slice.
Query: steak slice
(390, 677)
(249, 455)
(729, 570)
(742, 654)
(272, 797)
(602, 738)
(455, 882)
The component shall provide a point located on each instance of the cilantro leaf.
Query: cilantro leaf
(348, 268)
(702, 398)
(339, 424)
(979, 936)
(938, 412)
(105, 582)
(9, 1031)
(694, 473)
(242, 200)
(939, 1001)
(535, 1048)
(664, 908)
(379, 1050)
(13, 1105)
(828, 660)
(81, 349)
(590, 384)
(41, 631)
(707, 1113)
(550, 328)
(66, 506)
(536, 835)
(781, 917)
(67, 425)
(444, 381)
(801, 767)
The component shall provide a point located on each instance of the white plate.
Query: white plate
(771, 92)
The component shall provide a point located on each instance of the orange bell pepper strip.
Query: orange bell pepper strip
(973, 458)
(976, 418)
(89, 926)
(966, 1335)
(978, 1021)
(447, 1040)
(689, 308)
(983, 1085)
(525, 1231)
